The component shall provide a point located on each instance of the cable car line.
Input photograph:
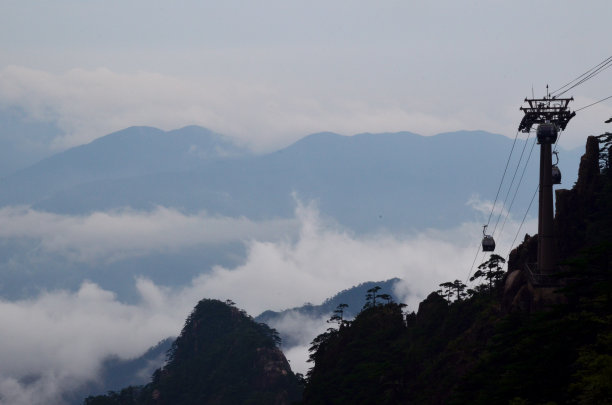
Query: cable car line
(473, 263)
(589, 74)
(597, 102)
(518, 185)
(522, 222)
(518, 165)
(584, 74)
(495, 202)
(503, 176)
(585, 79)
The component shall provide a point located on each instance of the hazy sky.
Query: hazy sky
(272, 71)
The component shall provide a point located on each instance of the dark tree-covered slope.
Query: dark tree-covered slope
(222, 356)
(496, 346)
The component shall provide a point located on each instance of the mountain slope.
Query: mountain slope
(366, 181)
(134, 151)
(222, 356)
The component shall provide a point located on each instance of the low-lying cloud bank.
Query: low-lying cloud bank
(55, 342)
(120, 234)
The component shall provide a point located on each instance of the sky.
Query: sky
(266, 73)
(270, 72)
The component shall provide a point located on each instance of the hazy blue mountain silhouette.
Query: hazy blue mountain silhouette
(399, 181)
(23, 141)
(116, 373)
(135, 151)
(354, 297)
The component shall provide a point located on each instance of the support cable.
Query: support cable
(518, 165)
(496, 196)
(585, 79)
(582, 75)
(518, 185)
(597, 102)
(522, 222)
(473, 263)
(503, 176)
(589, 74)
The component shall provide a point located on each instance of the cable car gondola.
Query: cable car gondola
(556, 173)
(488, 243)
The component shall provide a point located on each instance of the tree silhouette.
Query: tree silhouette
(459, 289)
(605, 142)
(371, 296)
(446, 291)
(491, 270)
(453, 288)
(338, 316)
(386, 297)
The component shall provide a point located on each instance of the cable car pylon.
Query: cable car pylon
(551, 115)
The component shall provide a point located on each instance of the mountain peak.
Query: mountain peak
(222, 356)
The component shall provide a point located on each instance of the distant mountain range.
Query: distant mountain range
(130, 153)
(398, 181)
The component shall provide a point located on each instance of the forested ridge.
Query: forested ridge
(222, 356)
(495, 343)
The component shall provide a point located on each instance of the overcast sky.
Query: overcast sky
(272, 71)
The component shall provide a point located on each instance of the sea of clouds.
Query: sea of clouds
(55, 341)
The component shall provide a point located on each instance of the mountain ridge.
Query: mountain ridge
(347, 175)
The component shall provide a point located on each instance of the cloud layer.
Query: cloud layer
(110, 236)
(56, 341)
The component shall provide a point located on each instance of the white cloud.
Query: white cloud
(325, 259)
(61, 337)
(116, 235)
(87, 104)
(302, 329)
